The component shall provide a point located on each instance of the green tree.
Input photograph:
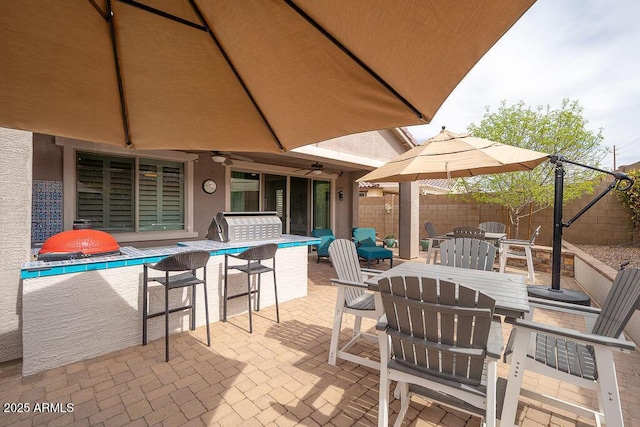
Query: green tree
(559, 131)
(631, 200)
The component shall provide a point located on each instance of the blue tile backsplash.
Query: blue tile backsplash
(130, 256)
(46, 210)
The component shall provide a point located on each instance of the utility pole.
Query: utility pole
(614, 158)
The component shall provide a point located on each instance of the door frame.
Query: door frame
(263, 168)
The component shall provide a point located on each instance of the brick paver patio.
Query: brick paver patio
(277, 376)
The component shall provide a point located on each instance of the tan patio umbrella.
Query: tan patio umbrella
(452, 155)
(252, 75)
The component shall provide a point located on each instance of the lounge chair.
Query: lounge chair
(366, 244)
(326, 237)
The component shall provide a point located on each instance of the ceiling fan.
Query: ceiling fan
(317, 169)
(226, 157)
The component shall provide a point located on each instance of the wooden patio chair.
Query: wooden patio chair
(493, 227)
(584, 359)
(352, 299)
(468, 232)
(525, 245)
(442, 342)
(468, 253)
(434, 241)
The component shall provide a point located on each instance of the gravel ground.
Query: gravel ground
(613, 256)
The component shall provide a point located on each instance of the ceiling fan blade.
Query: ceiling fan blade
(228, 162)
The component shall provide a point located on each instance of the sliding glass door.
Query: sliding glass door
(321, 204)
(275, 196)
(245, 192)
(300, 203)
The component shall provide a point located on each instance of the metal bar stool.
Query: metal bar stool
(188, 262)
(252, 256)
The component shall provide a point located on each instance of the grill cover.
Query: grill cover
(79, 243)
(245, 226)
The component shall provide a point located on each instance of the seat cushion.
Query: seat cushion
(323, 247)
(374, 252)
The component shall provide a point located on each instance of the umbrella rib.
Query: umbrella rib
(163, 14)
(237, 75)
(354, 58)
(100, 11)
(114, 46)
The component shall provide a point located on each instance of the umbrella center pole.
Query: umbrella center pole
(621, 182)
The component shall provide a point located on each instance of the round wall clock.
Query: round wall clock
(209, 186)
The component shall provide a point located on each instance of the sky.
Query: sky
(586, 50)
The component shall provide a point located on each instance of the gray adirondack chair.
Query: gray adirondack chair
(434, 241)
(468, 253)
(581, 358)
(505, 252)
(493, 227)
(442, 342)
(468, 232)
(352, 299)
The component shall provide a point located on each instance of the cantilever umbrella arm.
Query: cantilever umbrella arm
(621, 182)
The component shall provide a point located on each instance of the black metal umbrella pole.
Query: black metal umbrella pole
(621, 182)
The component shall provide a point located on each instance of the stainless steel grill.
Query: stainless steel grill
(244, 227)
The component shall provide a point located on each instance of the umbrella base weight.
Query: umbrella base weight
(562, 295)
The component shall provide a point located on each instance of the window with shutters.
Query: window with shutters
(125, 194)
(161, 195)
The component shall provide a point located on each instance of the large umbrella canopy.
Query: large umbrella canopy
(452, 155)
(261, 75)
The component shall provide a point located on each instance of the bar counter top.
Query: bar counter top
(130, 256)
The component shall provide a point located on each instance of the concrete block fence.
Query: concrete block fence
(604, 224)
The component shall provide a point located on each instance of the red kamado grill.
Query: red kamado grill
(81, 242)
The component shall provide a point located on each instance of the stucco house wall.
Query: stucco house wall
(382, 145)
(15, 229)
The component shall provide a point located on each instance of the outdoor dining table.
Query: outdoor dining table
(509, 290)
(494, 237)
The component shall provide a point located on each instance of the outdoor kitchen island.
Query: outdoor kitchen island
(78, 309)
